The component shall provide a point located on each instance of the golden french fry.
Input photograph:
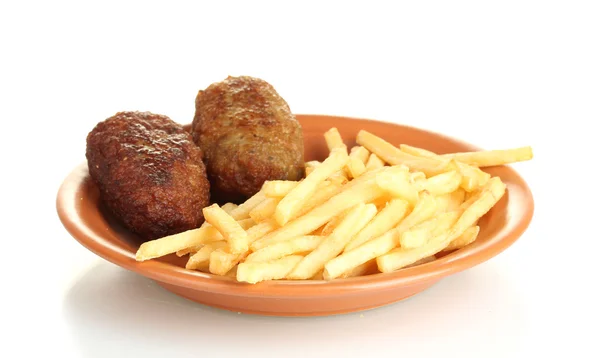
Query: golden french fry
(334, 243)
(230, 229)
(398, 185)
(246, 223)
(490, 158)
(364, 192)
(361, 153)
(243, 210)
(368, 268)
(443, 183)
(472, 177)
(361, 254)
(374, 162)
(356, 167)
(286, 248)
(173, 243)
(333, 223)
(188, 250)
(450, 201)
(229, 207)
(202, 257)
(278, 188)
(222, 262)
(394, 156)
(334, 140)
(254, 272)
(419, 234)
(310, 166)
(385, 220)
(339, 178)
(490, 194)
(265, 209)
(467, 237)
(325, 192)
(425, 209)
(261, 229)
(293, 201)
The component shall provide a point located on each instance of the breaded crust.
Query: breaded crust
(149, 172)
(248, 135)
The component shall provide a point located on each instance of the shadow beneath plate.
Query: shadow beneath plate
(114, 312)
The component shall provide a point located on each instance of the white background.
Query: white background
(498, 74)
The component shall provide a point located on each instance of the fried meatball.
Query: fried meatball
(149, 173)
(248, 135)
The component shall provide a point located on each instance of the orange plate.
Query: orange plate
(80, 211)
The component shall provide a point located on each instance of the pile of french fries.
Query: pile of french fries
(374, 208)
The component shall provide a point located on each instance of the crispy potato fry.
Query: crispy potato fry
(384, 221)
(361, 153)
(467, 237)
(264, 210)
(229, 207)
(394, 156)
(231, 230)
(485, 200)
(339, 178)
(334, 243)
(261, 229)
(361, 254)
(356, 167)
(398, 185)
(472, 177)
(278, 188)
(246, 223)
(450, 201)
(490, 158)
(286, 248)
(221, 262)
(368, 268)
(188, 250)
(419, 234)
(310, 166)
(443, 183)
(366, 191)
(333, 223)
(334, 140)
(374, 162)
(425, 209)
(293, 201)
(254, 272)
(325, 192)
(173, 243)
(243, 210)
(201, 258)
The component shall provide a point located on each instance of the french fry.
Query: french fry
(229, 207)
(201, 258)
(261, 229)
(310, 166)
(293, 201)
(425, 209)
(333, 223)
(264, 210)
(366, 191)
(339, 178)
(374, 162)
(286, 248)
(361, 153)
(278, 188)
(334, 140)
(421, 261)
(325, 192)
(221, 262)
(368, 268)
(361, 254)
(173, 243)
(443, 183)
(356, 167)
(485, 200)
(231, 230)
(334, 243)
(384, 221)
(467, 237)
(490, 158)
(254, 272)
(419, 234)
(472, 177)
(243, 210)
(394, 156)
(450, 201)
(398, 185)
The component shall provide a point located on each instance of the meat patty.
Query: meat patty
(149, 172)
(248, 135)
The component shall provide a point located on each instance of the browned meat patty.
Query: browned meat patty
(149, 172)
(248, 135)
